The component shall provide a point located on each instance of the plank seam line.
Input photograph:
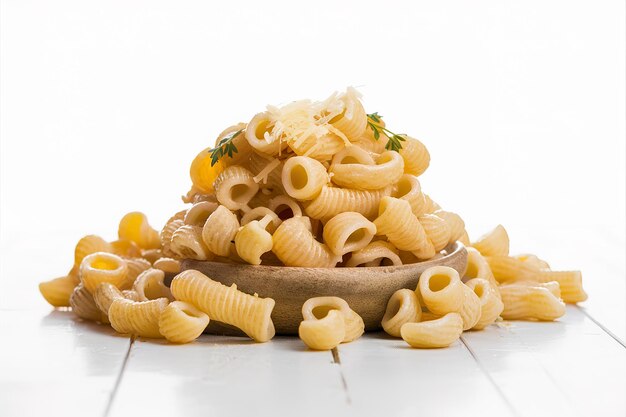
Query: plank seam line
(600, 325)
(491, 380)
(118, 381)
(337, 361)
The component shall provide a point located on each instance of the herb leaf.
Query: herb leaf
(224, 147)
(374, 122)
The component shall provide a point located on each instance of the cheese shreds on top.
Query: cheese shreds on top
(265, 172)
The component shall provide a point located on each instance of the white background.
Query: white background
(104, 105)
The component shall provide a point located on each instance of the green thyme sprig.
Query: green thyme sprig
(224, 147)
(374, 122)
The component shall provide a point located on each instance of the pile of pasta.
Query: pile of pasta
(308, 184)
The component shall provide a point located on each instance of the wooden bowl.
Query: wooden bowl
(366, 289)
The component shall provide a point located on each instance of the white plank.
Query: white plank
(387, 377)
(53, 363)
(229, 376)
(565, 368)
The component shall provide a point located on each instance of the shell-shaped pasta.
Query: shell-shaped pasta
(509, 269)
(252, 241)
(88, 245)
(490, 304)
(397, 221)
(259, 213)
(84, 306)
(219, 230)
(102, 267)
(187, 242)
(415, 155)
(203, 173)
(375, 254)
(455, 224)
(294, 245)
(259, 135)
(402, 307)
(388, 170)
(470, 310)
(478, 267)
(151, 255)
(140, 318)
(318, 307)
(57, 292)
(429, 205)
(285, 207)
(408, 188)
(104, 295)
(199, 213)
(149, 285)
(303, 177)
(182, 322)
(325, 333)
(168, 230)
(320, 148)
(235, 187)
(570, 283)
(530, 302)
(225, 304)
(125, 248)
(533, 260)
(334, 200)
(135, 266)
(493, 243)
(436, 229)
(438, 333)
(441, 290)
(348, 232)
(352, 121)
(168, 265)
(241, 143)
(134, 226)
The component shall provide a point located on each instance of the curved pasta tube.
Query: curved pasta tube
(402, 307)
(388, 170)
(352, 121)
(415, 155)
(470, 309)
(334, 200)
(151, 255)
(235, 187)
(294, 245)
(551, 286)
(57, 292)
(241, 143)
(104, 295)
(570, 283)
(126, 248)
(490, 304)
(533, 260)
(408, 188)
(134, 226)
(493, 243)
(455, 223)
(320, 148)
(198, 214)
(348, 232)
(303, 177)
(219, 230)
(464, 239)
(318, 307)
(168, 265)
(374, 254)
(509, 269)
(441, 289)
(530, 302)
(438, 333)
(259, 213)
(429, 205)
(285, 207)
(187, 242)
(149, 285)
(203, 172)
(102, 267)
(324, 333)
(140, 318)
(84, 306)
(182, 322)
(259, 135)
(397, 221)
(225, 304)
(368, 142)
(88, 245)
(131, 295)
(478, 267)
(436, 229)
(134, 267)
(252, 241)
(353, 155)
(174, 222)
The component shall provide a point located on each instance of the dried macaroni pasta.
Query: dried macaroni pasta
(102, 267)
(149, 285)
(252, 240)
(140, 318)
(494, 243)
(57, 292)
(388, 170)
(438, 333)
(416, 156)
(134, 226)
(84, 306)
(490, 304)
(88, 245)
(403, 307)
(198, 214)
(294, 245)
(348, 232)
(318, 307)
(334, 200)
(441, 289)
(182, 322)
(303, 177)
(187, 242)
(530, 302)
(219, 230)
(235, 187)
(323, 333)
(374, 254)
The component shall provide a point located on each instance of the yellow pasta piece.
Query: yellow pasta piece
(134, 226)
(441, 290)
(478, 267)
(187, 242)
(140, 318)
(533, 260)
(318, 307)
(429, 205)
(455, 224)
(526, 302)
(131, 295)
(102, 267)
(368, 142)
(225, 304)
(323, 333)
(303, 177)
(490, 304)
(235, 187)
(219, 230)
(397, 221)
(167, 265)
(125, 248)
(285, 207)
(464, 239)
(348, 232)
(570, 282)
(403, 307)
(244, 150)
(104, 295)
(416, 156)
(375, 254)
(408, 188)
(198, 214)
(260, 136)
(182, 322)
(436, 229)
(259, 213)
(438, 333)
(552, 286)
(252, 240)
(470, 310)
(203, 173)
(151, 255)
(493, 243)
(352, 121)
(135, 266)
(388, 170)
(294, 245)
(88, 245)
(320, 148)
(57, 292)
(353, 155)
(168, 230)
(84, 306)
(334, 200)
(149, 285)
(509, 269)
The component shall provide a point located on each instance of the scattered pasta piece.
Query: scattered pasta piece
(181, 322)
(134, 226)
(490, 304)
(102, 267)
(140, 318)
(530, 302)
(441, 289)
(323, 333)
(403, 307)
(494, 243)
(57, 292)
(438, 333)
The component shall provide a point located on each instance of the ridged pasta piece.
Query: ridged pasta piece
(527, 302)
(352, 121)
(570, 283)
(318, 307)
(493, 243)
(437, 230)
(182, 322)
(102, 267)
(388, 170)
(490, 304)
(259, 213)
(415, 155)
(403, 307)
(259, 135)
(464, 239)
(455, 223)
(219, 230)
(478, 267)
(225, 304)
(320, 148)
(348, 232)
(441, 290)
(88, 245)
(408, 188)
(368, 142)
(199, 213)
(167, 265)
(252, 240)
(187, 242)
(303, 177)
(131, 295)
(244, 150)
(104, 295)
(84, 306)
(151, 255)
(135, 266)
(334, 200)
(552, 286)
(134, 226)
(125, 248)
(533, 260)
(285, 207)
(437, 333)
(168, 230)
(353, 155)
(470, 310)
(294, 245)
(397, 221)
(375, 254)
(324, 333)
(149, 285)
(235, 187)
(267, 172)
(509, 269)
(57, 292)
(429, 205)
(140, 318)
